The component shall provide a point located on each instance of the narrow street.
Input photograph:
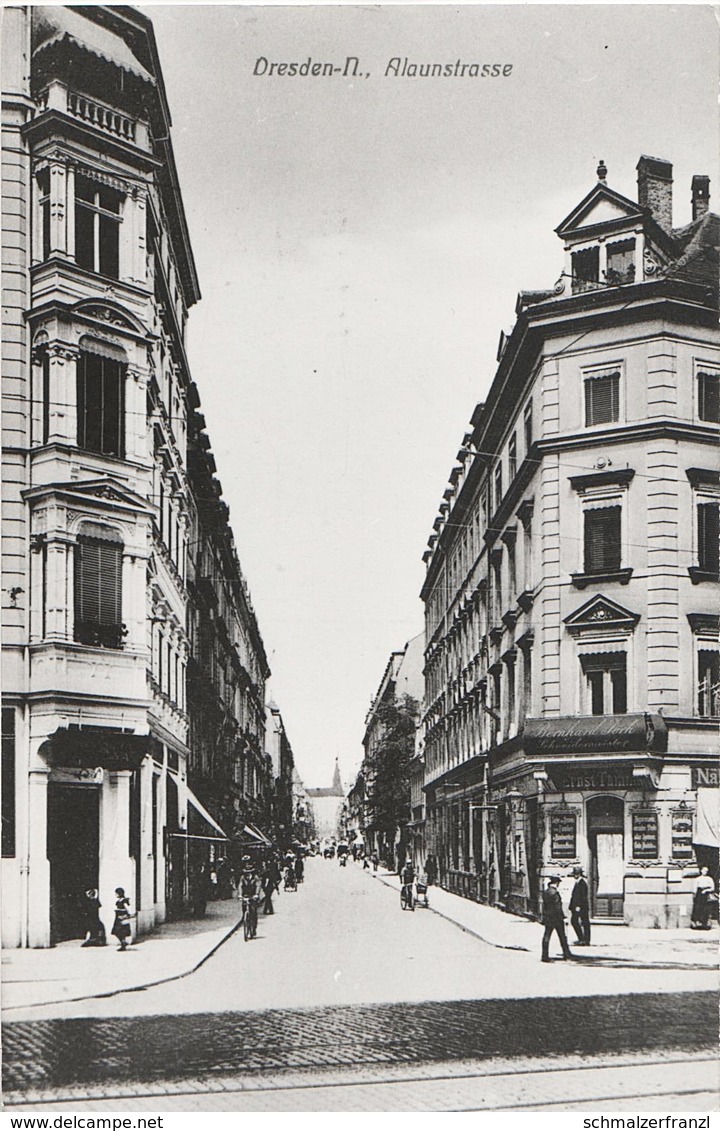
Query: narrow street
(340, 979)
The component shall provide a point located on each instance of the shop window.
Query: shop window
(606, 682)
(621, 263)
(709, 397)
(708, 701)
(645, 835)
(97, 227)
(98, 592)
(8, 781)
(602, 539)
(585, 270)
(101, 404)
(708, 525)
(602, 398)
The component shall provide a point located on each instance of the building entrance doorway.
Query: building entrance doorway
(606, 840)
(73, 826)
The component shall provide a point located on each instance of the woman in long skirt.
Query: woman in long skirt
(121, 925)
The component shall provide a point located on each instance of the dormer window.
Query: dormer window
(621, 263)
(585, 269)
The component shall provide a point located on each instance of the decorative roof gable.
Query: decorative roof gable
(602, 205)
(603, 614)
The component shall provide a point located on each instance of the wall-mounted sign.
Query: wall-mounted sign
(682, 835)
(620, 778)
(703, 776)
(563, 836)
(645, 836)
(77, 775)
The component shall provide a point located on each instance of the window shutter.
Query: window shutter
(709, 537)
(709, 397)
(98, 587)
(602, 539)
(602, 399)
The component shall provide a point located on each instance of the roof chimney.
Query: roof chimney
(655, 189)
(700, 196)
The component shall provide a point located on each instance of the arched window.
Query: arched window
(98, 587)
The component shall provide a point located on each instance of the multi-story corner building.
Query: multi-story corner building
(572, 660)
(98, 505)
(393, 709)
(303, 816)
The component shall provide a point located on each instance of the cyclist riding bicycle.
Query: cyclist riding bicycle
(407, 879)
(250, 894)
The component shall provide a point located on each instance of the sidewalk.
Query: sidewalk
(68, 972)
(641, 945)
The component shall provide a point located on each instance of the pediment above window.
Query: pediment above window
(601, 206)
(104, 490)
(601, 614)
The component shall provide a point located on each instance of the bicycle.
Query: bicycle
(407, 900)
(250, 915)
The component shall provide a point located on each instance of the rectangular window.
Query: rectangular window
(512, 457)
(708, 515)
(621, 263)
(606, 678)
(97, 227)
(709, 397)
(45, 397)
(101, 405)
(528, 422)
(602, 399)
(585, 269)
(44, 199)
(98, 592)
(8, 781)
(645, 836)
(602, 537)
(708, 683)
(498, 485)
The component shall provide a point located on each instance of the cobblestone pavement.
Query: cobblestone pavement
(84, 1050)
(667, 1083)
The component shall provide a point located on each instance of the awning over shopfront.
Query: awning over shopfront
(95, 747)
(459, 775)
(257, 835)
(708, 817)
(200, 808)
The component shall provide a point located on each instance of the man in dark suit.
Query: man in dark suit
(553, 919)
(580, 908)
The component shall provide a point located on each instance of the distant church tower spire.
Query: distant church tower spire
(337, 783)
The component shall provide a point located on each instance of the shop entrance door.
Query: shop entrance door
(73, 819)
(606, 824)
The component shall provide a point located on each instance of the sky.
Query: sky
(360, 243)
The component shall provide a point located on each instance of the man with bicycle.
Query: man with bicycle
(250, 894)
(407, 879)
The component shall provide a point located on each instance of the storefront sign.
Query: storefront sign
(563, 839)
(620, 778)
(703, 776)
(645, 836)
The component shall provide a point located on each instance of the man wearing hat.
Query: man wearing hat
(580, 908)
(553, 919)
